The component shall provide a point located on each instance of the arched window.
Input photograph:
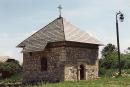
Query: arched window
(43, 64)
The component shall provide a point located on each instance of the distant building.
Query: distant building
(4, 59)
(4, 73)
(59, 52)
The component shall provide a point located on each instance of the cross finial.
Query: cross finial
(60, 8)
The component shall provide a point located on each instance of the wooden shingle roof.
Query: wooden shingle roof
(57, 30)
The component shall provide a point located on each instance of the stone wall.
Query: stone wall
(73, 73)
(77, 56)
(32, 66)
(92, 71)
(70, 73)
(63, 61)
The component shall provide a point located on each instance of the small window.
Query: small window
(30, 53)
(44, 64)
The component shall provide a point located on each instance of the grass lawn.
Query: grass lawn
(102, 82)
(13, 79)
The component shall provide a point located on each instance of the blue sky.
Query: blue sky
(20, 18)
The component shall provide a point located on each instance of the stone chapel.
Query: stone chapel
(59, 52)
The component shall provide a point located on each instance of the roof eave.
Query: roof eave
(20, 46)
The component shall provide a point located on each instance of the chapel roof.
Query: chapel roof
(57, 30)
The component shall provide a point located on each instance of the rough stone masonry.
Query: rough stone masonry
(59, 52)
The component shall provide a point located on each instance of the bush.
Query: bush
(10, 68)
(102, 71)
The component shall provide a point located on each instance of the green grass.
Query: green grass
(105, 81)
(102, 82)
(13, 79)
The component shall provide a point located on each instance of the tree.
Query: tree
(109, 57)
(10, 67)
(128, 48)
(108, 49)
(126, 58)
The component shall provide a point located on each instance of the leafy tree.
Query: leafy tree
(127, 51)
(108, 49)
(109, 57)
(12, 67)
(126, 58)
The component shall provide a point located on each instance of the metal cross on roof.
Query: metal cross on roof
(60, 8)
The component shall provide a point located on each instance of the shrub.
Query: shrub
(10, 68)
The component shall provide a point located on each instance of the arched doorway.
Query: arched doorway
(81, 72)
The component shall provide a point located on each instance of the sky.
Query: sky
(21, 18)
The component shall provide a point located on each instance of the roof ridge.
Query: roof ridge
(63, 28)
(73, 32)
(39, 30)
(58, 30)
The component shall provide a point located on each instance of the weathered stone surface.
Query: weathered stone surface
(64, 60)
